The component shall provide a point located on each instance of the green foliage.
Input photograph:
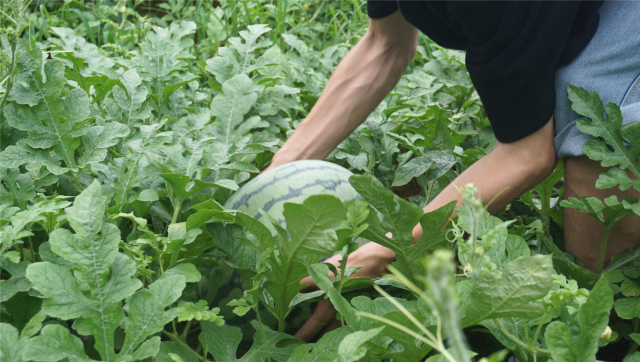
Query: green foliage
(222, 342)
(593, 317)
(400, 217)
(125, 125)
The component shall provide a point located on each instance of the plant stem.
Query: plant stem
(604, 247)
(175, 338)
(515, 340)
(264, 336)
(185, 333)
(176, 212)
(535, 337)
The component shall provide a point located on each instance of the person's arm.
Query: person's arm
(509, 170)
(359, 83)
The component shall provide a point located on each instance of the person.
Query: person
(520, 57)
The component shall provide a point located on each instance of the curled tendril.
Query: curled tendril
(455, 235)
(468, 270)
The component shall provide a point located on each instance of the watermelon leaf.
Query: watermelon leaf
(400, 217)
(312, 227)
(222, 342)
(102, 279)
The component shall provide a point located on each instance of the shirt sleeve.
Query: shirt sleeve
(378, 9)
(513, 67)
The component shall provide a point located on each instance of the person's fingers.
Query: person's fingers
(322, 316)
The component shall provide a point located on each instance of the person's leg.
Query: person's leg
(609, 65)
(583, 234)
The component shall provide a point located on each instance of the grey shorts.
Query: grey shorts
(609, 65)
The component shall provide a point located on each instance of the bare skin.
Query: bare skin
(360, 82)
(584, 235)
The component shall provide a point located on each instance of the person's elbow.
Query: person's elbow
(394, 36)
(534, 155)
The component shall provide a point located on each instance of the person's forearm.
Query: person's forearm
(360, 82)
(504, 174)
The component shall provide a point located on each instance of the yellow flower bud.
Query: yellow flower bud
(123, 9)
(606, 334)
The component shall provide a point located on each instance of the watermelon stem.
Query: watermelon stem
(176, 212)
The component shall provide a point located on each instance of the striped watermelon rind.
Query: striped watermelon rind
(292, 182)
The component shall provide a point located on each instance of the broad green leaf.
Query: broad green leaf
(612, 134)
(400, 217)
(352, 347)
(173, 348)
(64, 297)
(325, 350)
(273, 340)
(635, 357)
(12, 345)
(311, 226)
(36, 83)
(230, 108)
(56, 343)
(94, 246)
(222, 342)
(412, 349)
(147, 311)
(628, 308)
(34, 325)
(131, 99)
(16, 188)
(99, 139)
(54, 124)
(187, 270)
(411, 169)
(524, 280)
(160, 57)
(18, 281)
(593, 316)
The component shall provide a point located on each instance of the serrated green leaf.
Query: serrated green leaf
(30, 87)
(325, 350)
(223, 341)
(524, 281)
(56, 343)
(147, 314)
(400, 217)
(64, 298)
(593, 316)
(18, 281)
(55, 124)
(230, 108)
(98, 139)
(611, 131)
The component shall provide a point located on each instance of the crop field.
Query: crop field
(125, 126)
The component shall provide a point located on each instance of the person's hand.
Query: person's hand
(372, 258)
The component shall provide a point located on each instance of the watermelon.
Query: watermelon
(291, 182)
